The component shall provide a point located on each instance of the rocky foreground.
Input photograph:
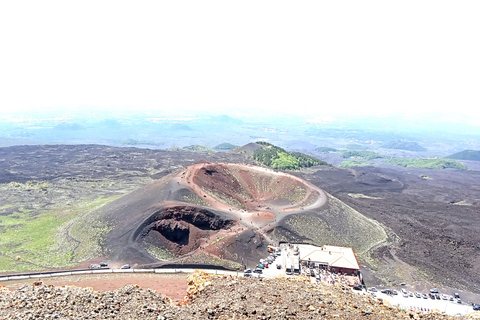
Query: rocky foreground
(208, 297)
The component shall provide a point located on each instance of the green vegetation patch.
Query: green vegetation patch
(354, 163)
(325, 149)
(278, 158)
(225, 146)
(26, 243)
(194, 199)
(339, 224)
(427, 163)
(160, 253)
(360, 154)
(29, 185)
(205, 258)
(32, 240)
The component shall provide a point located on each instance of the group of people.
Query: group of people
(328, 277)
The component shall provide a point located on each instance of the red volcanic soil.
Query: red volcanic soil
(234, 187)
(262, 216)
(170, 285)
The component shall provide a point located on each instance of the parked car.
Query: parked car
(260, 266)
(456, 295)
(444, 297)
(476, 307)
(94, 266)
(373, 289)
(279, 266)
(358, 287)
(434, 290)
(459, 301)
(424, 296)
(126, 266)
(386, 291)
(258, 270)
(417, 294)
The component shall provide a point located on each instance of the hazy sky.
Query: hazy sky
(330, 57)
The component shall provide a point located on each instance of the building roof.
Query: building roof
(337, 257)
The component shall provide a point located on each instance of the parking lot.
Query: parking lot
(421, 304)
(285, 257)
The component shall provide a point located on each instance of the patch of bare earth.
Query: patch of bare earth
(170, 285)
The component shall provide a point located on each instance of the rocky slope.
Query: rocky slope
(208, 297)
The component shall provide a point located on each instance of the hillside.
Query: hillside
(208, 297)
(225, 146)
(278, 158)
(54, 196)
(404, 145)
(473, 155)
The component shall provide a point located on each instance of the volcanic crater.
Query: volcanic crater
(208, 208)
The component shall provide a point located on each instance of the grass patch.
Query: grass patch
(216, 240)
(205, 258)
(160, 253)
(362, 196)
(194, 199)
(5, 207)
(28, 242)
(341, 225)
(33, 241)
(29, 185)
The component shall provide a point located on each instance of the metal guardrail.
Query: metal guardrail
(38, 275)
